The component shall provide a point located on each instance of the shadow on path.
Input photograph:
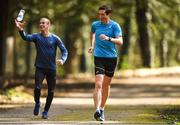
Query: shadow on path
(129, 103)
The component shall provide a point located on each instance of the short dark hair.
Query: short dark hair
(107, 9)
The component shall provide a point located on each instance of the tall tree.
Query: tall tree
(73, 16)
(166, 30)
(142, 22)
(28, 51)
(126, 37)
(4, 8)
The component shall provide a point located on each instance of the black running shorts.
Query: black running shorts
(105, 66)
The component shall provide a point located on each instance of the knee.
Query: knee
(50, 91)
(107, 84)
(98, 85)
(38, 86)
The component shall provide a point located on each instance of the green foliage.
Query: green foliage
(15, 94)
(72, 15)
(60, 71)
(170, 114)
(165, 27)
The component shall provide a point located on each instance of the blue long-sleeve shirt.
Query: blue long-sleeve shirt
(46, 49)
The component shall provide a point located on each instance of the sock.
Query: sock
(102, 108)
(97, 109)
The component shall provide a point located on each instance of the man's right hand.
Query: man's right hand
(90, 50)
(20, 25)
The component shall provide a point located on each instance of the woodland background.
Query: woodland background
(151, 34)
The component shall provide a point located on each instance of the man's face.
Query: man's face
(102, 16)
(44, 24)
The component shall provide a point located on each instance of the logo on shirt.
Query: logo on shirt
(51, 42)
(110, 27)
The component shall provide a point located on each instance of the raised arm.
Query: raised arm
(26, 37)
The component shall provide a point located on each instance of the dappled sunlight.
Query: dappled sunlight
(118, 101)
(146, 72)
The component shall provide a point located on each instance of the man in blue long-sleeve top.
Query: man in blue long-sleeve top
(46, 44)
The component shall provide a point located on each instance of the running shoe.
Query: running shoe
(45, 115)
(36, 109)
(97, 115)
(102, 117)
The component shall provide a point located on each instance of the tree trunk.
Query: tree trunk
(3, 30)
(142, 22)
(126, 40)
(15, 61)
(28, 51)
(82, 62)
(4, 7)
(83, 56)
(71, 35)
(163, 53)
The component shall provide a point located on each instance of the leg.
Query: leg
(39, 77)
(99, 78)
(51, 82)
(97, 95)
(105, 90)
(109, 73)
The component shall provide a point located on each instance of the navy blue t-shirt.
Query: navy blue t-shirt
(46, 49)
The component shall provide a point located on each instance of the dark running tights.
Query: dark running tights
(50, 76)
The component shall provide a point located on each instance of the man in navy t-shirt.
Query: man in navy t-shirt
(46, 44)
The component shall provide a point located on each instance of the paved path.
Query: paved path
(22, 113)
(134, 92)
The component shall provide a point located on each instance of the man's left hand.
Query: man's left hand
(59, 62)
(103, 37)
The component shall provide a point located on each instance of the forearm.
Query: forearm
(118, 41)
(24, 36)
(92, 40)
(64, 57)
(64, 53)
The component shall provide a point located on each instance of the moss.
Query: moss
(17, 93)
(77, 114)
(122, 114)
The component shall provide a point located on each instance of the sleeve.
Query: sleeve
(64, 52)
(27, 37)
(117, 30)
(93, 28)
